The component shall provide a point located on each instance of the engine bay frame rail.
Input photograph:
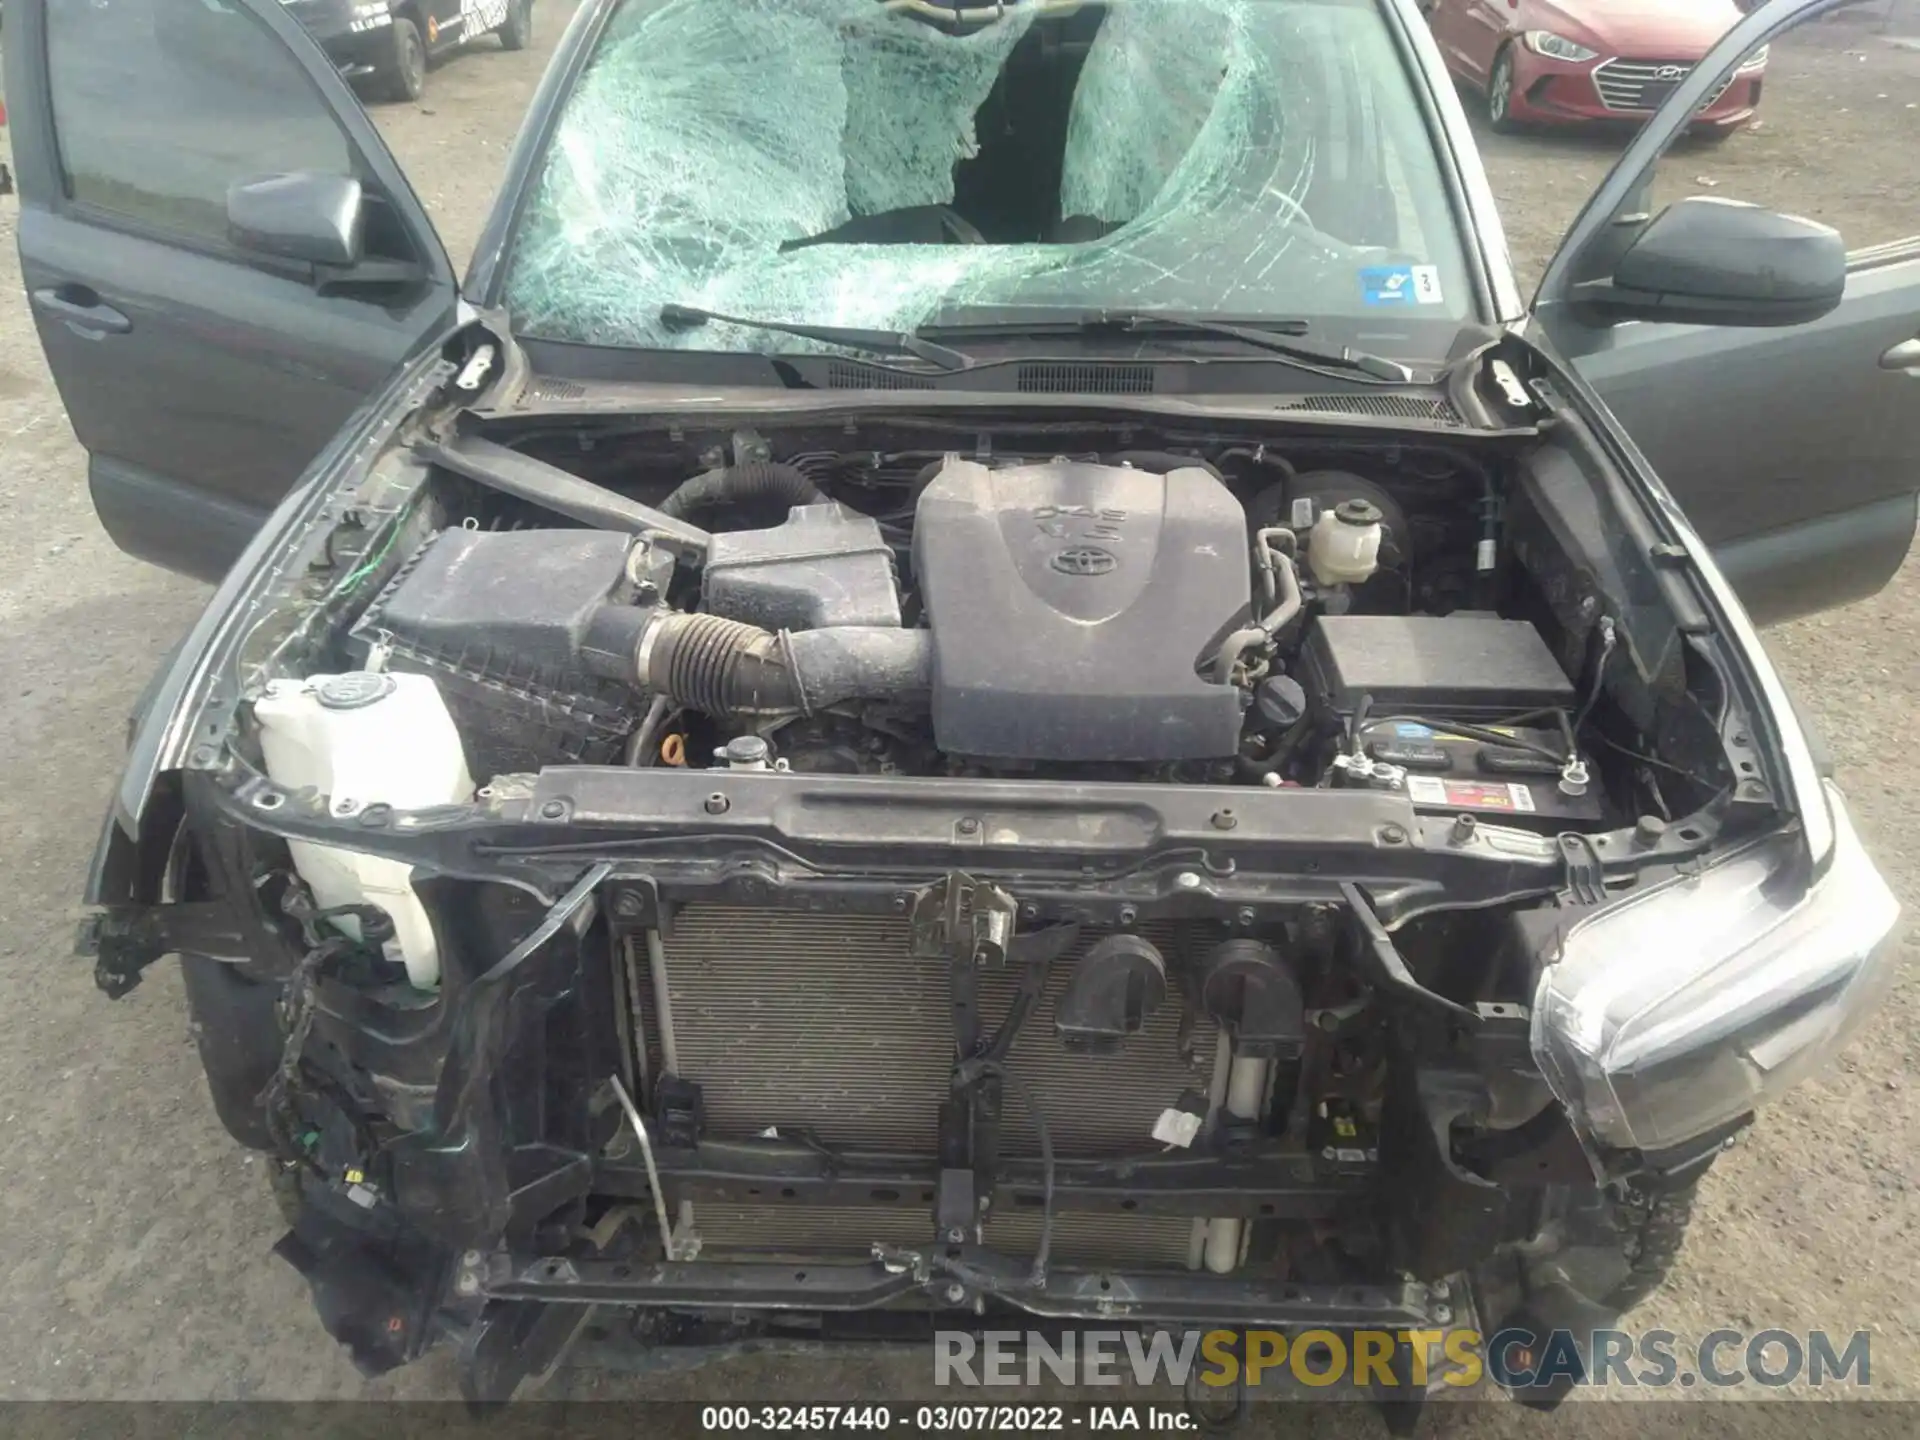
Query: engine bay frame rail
(858, 843)
(951, 1277)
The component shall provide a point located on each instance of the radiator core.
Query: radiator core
(824, 1023)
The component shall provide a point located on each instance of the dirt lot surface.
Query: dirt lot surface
(137, 1234)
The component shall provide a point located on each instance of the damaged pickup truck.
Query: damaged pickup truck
(989, 672)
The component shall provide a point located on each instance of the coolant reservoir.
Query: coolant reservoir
(362, 739)
(1344, 546)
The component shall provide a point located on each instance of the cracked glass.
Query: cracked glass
(878, 163)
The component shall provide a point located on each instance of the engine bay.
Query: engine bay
(958, 856)
(1471, 637)
(1329, 616)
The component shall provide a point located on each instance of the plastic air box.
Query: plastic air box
(499, 620)
(824, 566)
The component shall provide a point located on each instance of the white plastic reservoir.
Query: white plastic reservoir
(362, 739)
(1344, 545)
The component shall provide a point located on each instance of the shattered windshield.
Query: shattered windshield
(884, 164)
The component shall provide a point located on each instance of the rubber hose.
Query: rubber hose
(724, 667)
(719, 666)
(1275, 760)
(757, 480)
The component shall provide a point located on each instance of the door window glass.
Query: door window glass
(1823, 123)
(161, 105)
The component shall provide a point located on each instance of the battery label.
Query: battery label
(1414, 730)
(1469, 794)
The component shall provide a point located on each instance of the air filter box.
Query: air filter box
(500, 620)
(824, 566)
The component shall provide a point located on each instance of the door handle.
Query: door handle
(1904, 356)
(82, 309)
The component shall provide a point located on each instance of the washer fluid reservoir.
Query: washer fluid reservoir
(362, 739)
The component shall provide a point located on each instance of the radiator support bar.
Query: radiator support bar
(1280, 1184)
(954, 1278)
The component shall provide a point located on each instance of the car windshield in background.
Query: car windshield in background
(860, 163)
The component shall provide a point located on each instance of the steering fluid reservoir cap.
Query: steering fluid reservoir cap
(354, 691)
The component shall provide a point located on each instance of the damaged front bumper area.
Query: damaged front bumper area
(758, 1056)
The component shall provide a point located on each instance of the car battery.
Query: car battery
(1453, 774)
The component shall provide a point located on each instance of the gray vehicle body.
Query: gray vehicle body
(203, 384)
(206, 382)
(314, 329)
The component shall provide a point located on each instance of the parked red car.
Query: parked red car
(1580, 61)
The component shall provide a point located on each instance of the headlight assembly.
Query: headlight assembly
(1756, 61)
(1557, 47)
(1675, 1012)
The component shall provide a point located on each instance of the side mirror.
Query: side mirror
(1707, 261)
(303, 216)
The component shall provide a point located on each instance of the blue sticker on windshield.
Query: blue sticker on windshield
(1400, 284)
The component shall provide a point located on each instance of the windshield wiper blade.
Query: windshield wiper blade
(877, 342)
(1280, 337)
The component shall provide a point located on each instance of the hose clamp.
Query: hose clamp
(793, 669)
(643, 650)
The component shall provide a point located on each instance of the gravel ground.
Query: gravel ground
(138, 1233)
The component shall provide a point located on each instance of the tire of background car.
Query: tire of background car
(516, 31)
(401, 73)
(1500, 93)
(1652, 1228)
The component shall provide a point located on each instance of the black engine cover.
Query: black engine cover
(1070, 603)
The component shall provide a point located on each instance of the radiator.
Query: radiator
(826, 1024)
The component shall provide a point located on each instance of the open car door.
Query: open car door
(222, 258)
(1790, 436)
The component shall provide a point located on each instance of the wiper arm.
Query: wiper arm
(877, 342)
(1276, 336)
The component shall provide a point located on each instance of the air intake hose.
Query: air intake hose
(756, 480)
(723, 667)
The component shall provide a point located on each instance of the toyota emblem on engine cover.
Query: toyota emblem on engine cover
(1084, 560)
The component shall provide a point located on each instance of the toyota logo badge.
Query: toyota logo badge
(1084, 560)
